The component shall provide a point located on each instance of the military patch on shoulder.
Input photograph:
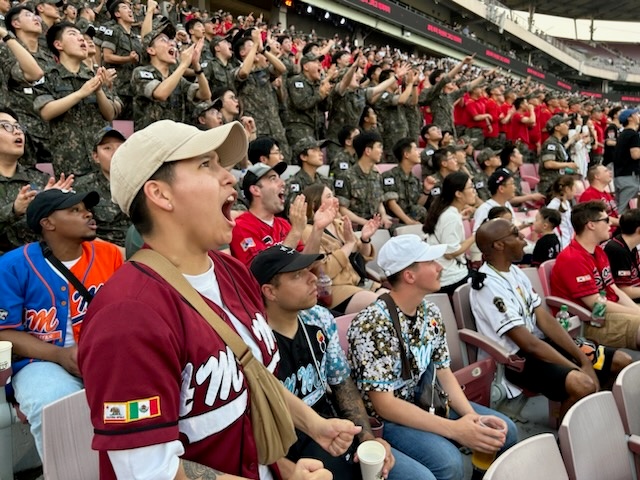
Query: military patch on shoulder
(551, 147)
(389, 181)
(479, 184)
(385, 94)
(101, 28)
(145, 74)
(499, 303)
(298, 84)
(343, 166)
(435, 191)
(108, 31)
(204, 64)
(430, 152)
(295, 187)
(339, 183)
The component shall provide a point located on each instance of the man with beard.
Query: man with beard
(42, 305)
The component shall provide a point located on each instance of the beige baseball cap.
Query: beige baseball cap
(164, 141)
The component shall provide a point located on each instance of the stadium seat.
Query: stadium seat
(66, 438)
(475, 378)
(125, 127)
(343, 322)
(417, 171)
(626, 392)
(383, 167)
(323, 170)
(523, 461)
(529, 169)
(377, 240)
(414, 229)
(46, 168)
(532, 181)
(544, 271)
(593, 442)
(290, 171)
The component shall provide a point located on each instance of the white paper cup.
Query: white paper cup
(371, 457)
(5, 354)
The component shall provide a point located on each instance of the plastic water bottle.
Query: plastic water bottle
(324, 283)
(599, 310)
(563, 317)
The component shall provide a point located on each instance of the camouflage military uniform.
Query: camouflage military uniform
(72, 133)
(112, 223)
(552, 149)
(305, 106)
(217, 74)
(441, 104)
(21, 95)
(405, 189)
(260, 102)
(341, 162)
(481, 182)
(360, 192)
(394, 123)
(414, 121)
(344, 109)
(2, 23)
(14, 231)
(147, 109)
(122, 43)
(426, 161)
(295, 185)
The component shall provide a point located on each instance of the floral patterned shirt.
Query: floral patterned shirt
(374, 352)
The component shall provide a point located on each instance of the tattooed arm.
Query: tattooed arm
(194, 471)
(350, 406)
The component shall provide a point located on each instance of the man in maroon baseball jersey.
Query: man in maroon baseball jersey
(168, 398)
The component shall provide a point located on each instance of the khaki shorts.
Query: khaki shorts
(620, 330)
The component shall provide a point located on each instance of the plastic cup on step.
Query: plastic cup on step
(5, 355)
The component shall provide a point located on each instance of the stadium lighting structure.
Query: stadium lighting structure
(327, 15)
(309, 9)
(343, 21)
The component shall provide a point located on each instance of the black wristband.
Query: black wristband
(197, 72)
(8, 36)
(365, 242)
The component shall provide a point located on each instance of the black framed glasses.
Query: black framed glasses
(604, 219)
(10, 127)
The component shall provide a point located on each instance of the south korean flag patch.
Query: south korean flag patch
(389, 181)
(339, 183)
(295, 187)
(146, 75)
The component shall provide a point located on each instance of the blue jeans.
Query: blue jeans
(38, 384)
(435, 457)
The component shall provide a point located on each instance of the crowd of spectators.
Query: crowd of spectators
(456, 136)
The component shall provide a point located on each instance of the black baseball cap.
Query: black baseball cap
(54, 199)
(280, 259)
(259, 170)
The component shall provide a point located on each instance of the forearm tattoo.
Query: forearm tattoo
(195, 471)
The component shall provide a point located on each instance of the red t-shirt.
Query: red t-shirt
(609, 200)
(504, 111)
(542, 119)
(476, 107)
(155, 371)
(251, 235)
(519, 130)
(460, 113)
(492, 107)
(578, 273)
(600, 134)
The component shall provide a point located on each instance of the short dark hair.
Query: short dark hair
(139, 211)
(434, 75)
(238, 44)
(401, 147)
(11, 14)
(9, 111)
(630, 221)
(344, 133)
(365, 140)
(424, 130)
(261, 147)
(551, 215)
(384, 75)
(189, 25)
(497, 212)
(591, 173)
(506, 152)
(586, 212)
(517, 102)
(439, 157)
(55, 33)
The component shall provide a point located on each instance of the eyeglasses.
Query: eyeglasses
(604, 219)
(10, 127)
(513, 233)
(275, 152)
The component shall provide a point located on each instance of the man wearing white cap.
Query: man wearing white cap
(377, 359)
(176, 403)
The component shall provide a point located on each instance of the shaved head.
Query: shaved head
(489, 235)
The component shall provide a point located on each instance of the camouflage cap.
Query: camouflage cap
(106, 132)
(202, 107)
(305, 144)
(310, 57)
(160, 27)
(555, 121)
(486, 154)
(219, 39)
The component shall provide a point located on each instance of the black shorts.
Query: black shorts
(548, 378)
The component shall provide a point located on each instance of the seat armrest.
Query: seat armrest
(532, 181)
(574, 309)
(634, 444)
(493, 348)
(4, 376)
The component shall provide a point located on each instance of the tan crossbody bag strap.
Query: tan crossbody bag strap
(170, 273)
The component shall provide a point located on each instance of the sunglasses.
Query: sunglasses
(604, 219)
(513, 233)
